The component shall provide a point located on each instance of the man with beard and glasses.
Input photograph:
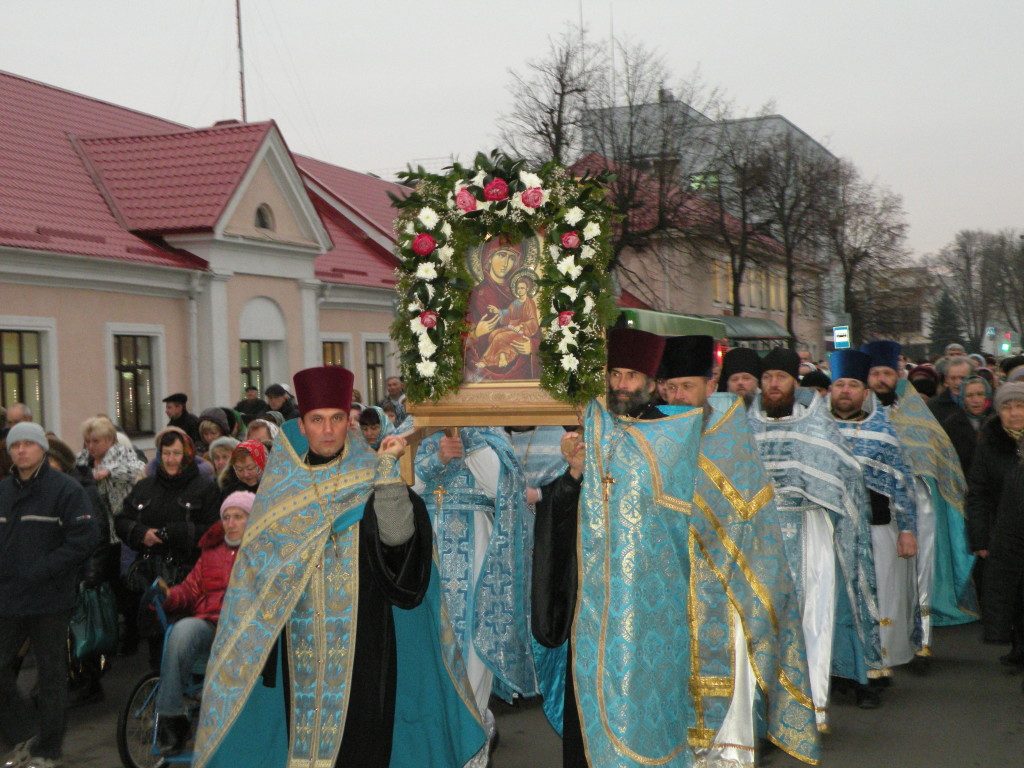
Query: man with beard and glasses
(945, 593)
(865, 425)
(616, 536)
(823, 504)
(740, 374)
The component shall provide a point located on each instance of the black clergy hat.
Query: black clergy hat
(739, 360)
(687, 356)
(884, 353)
(782, 359)
(177, 397)
(1009, 363)
(816, 378)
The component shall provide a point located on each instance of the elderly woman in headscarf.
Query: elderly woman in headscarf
(164, 517)
(244, 469)
(375, 425)
(964, 425)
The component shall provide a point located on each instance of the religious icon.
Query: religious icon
(504, 320)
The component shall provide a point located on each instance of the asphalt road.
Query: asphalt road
(967, 711)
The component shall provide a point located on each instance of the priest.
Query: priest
(615, 537)
(821, 497)
(945, 593)
(333, 634)
(865, 425)
(740, 374)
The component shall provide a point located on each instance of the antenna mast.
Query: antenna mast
(241, 57)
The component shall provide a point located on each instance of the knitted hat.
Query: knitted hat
(1005, 394)
(884, 354)
(782, 359)
(739, 360)
(27, 431)
(239, 500)
(218, 417)
(635, 350)
(687, 356)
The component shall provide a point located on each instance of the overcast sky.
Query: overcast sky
(925, 97)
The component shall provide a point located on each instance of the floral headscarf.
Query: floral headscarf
(253, 448)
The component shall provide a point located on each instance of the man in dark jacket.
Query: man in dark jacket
(252, 406)
(952, 371)
(47, 531)
(176, 408)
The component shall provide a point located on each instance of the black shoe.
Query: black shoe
(920, 665)
(172, 734)
(766, 751)
(879, 682)
(868, 697)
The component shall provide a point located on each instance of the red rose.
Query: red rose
(496, 190)
(423, 244)
(533, 197)
(564, 318)
(571, 239)
(428, 318)
(465, 200)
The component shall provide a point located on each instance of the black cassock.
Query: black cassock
(553, 591)
(388, 577)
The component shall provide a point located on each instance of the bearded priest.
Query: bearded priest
(333, 637)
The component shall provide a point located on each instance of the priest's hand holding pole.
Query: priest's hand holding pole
(573, 451)
(906, 544)
(392, 445)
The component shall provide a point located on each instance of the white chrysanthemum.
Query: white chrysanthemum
(426, 271)
(428, 217)
(426, 347)
(587, 252)
(566, 265)
(570, 363)
(430, 292)
(530, 179)
(588, 305)
(573, 215)
(446, 229)
(426, 369)
(570, 292)
(410, 228)
(449, 201)
(592, 230)
(444, 254)
(517, 202)
(478, 180)
(416, 326)
(555, 251)
(415, 307)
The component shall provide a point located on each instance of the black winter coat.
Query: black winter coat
(184, 506)
(1004, 568)
(964, 436)
(942, 406)
(97, 566)
(994, 457)
(47, 531)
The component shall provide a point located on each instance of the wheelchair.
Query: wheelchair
(137, 723)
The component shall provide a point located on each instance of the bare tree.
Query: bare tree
(1008, 251)
(864, 228)
(972, 275)
(549, 100)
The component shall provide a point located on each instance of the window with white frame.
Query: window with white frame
(376, 375)
(21, 370)
(335, 353)
(134, 394)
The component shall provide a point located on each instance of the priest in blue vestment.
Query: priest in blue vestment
(651, 668)
(334, 646)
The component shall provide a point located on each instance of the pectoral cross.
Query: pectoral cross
(607, 481)
(439, 494)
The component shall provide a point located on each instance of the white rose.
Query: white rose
(566, 265)
(426, 271)
(586, 252)
(428, 217)
(570, 292)
(530, 179)
(592, 230)
(410, 229)
(426, 368)
(444, 254)
(426, 347)
(569, 362)
(446, 229)
(573, 215)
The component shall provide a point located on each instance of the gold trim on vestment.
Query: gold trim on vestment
(745, 509)
(791, 753)
(660, 497)
(725, 417)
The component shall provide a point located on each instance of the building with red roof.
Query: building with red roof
(140, 257)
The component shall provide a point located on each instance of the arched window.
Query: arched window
(264, 217)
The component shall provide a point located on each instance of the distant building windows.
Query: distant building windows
(376, 353)
(723, 282)
(21, 376)
(133, 398)
(335, 353)
(252, 364)
(264, 217)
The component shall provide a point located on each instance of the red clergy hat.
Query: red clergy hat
(328, 386)
(637, 350)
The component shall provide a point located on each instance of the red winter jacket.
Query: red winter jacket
(201, 594)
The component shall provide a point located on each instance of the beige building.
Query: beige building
(139, 257)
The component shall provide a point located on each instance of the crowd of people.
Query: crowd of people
(690, 574)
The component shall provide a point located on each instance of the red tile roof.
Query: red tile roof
(355, 259)
(173, 182)
(48, 202)
(628, 300)
(366, 195)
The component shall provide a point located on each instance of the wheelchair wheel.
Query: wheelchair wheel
(136, 723)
